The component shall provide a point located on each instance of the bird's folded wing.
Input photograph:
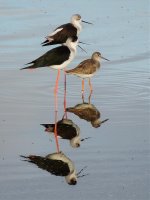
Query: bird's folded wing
(56, 167)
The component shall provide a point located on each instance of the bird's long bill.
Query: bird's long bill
(104, 121)
(104, 58)
(86, 22)
(81, 170)
(82, 48)
(85, 139)
(84, 43)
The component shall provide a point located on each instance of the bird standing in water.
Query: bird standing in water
(87, 68)
(57, 58)
(60, 36)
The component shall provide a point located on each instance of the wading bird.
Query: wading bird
(57, 58)
(87, 68)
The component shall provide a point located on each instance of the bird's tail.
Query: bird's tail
(38, 160)
(46, 43)
(49, 127)
(32, 158)
(29, 67)
(32, 65)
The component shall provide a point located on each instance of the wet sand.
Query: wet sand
(117, 155)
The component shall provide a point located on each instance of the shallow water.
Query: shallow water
(117, 155)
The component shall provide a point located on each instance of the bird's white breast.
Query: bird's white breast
(84, 75)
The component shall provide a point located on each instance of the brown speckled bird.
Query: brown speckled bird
(87, 68)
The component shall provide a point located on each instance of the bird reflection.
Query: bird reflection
(88, 112)
(57, 164)
(68, 130)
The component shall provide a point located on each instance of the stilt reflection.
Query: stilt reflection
(57, 164)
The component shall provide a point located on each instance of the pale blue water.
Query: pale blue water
(117, 155)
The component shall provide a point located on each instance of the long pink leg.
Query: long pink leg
(56, 109)
(65, 92)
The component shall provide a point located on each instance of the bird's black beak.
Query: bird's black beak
(78, 174)
(83, 43)
(104, 58)
(85, 139)
(104, 121)
(86, 22)
(82, 48)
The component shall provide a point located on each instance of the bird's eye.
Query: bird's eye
(79, 17)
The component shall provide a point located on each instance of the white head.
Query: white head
(72, 43)
(76, 21)
(75, 142)
(71, 179)
(76, 17)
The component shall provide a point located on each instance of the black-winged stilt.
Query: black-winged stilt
(57, 164)
(57, 58)
(61, 33)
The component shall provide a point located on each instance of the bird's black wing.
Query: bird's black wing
(56, 167)
(55, 56)
(68, 30)
(66, 131)
(47, 125)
